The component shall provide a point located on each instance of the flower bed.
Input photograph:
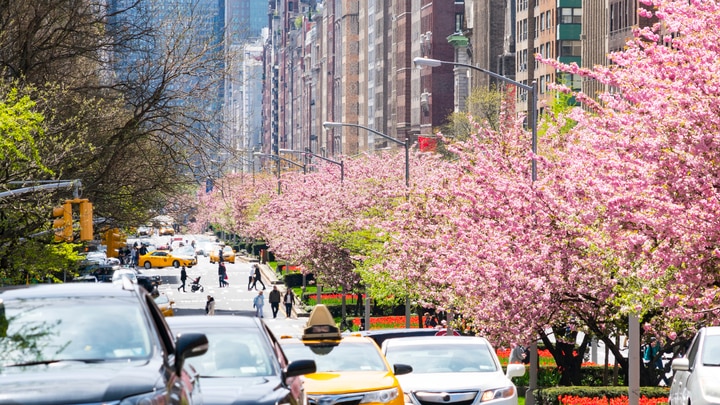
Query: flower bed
(386, 322)
(622, 400)
(331, 299)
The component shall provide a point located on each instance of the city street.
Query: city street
(232, 300)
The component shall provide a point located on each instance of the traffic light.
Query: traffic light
(63, 223)
(86, 220)
(114, 240)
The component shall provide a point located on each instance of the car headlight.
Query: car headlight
(382, 396)
(497, 393)
(151, 398)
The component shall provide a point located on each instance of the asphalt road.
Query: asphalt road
(232, 300)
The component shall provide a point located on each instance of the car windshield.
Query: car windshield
(184, 251)
(90, 329)
(234, 353)
(711, 351)
(448, 358)
(347, 356)
(119, 274)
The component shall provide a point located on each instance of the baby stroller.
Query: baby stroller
(195, 286)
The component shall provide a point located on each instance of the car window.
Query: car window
(711, 350)
(448, 358)
(83, 329)
(234, 353)
(348, 356)
(119, 274)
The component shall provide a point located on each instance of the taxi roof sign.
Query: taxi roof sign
(321, 325)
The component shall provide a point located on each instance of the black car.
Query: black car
(92, 343)
(380, 335)
(244, 363)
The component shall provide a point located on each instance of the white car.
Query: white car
(119, 274)
(697, 375)
(452, 369)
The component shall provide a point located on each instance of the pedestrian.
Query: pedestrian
(653, 359)
(288, 300)
(258, 277)
(183, 277)
(430, 320)
(258, 303)
(210, 305)
(222, 275)
(251, 277)
(274, 300)
(517, 355)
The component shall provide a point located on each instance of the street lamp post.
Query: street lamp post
(531, 89)
(406, 145)
(532, 121)
(279, 158)
(308, 152)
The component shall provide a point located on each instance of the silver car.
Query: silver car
(697, 375)
(452, 369)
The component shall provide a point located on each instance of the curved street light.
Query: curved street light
(531, 89)
(279, 158)
(308, 152)
(406, 144)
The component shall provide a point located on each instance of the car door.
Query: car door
(679, 391)
(183, 388)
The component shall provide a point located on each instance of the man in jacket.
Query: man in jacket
(183, 277)
(274, 300)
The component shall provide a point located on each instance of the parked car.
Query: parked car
(350, 369)
(244, 363)
(697, 375)
(163, 258)
(228, 254)
(81, 343)
(452, 369)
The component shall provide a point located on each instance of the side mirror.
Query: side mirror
(189, 345)
(515, 370)
(682, 364)
(299, 367)
(400, 369)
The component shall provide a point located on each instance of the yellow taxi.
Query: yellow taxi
(350, 369)
(228, 254)
(165, 304)
(163, 258)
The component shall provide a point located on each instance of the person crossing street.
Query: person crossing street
(258, 277)
(183, 278)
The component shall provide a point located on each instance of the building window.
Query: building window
(570, 15)
(570, 48)
(542, 22)
(459, 22)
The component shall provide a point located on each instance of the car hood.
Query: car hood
(237, 391)
(78, 382)
(348, 382)
(452, 381)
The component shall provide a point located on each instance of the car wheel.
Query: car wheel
(176, 264)
(147, 265)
